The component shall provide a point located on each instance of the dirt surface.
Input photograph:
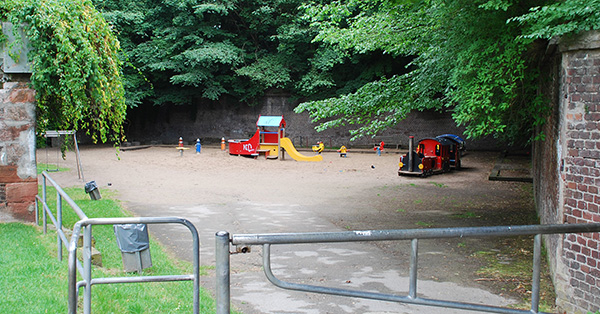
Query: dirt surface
(217, 191)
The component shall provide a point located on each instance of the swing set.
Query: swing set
(62, 136)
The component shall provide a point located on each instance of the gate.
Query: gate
(224, 241)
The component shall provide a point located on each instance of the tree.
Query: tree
(76, 70)
(479, 59)
(203, 52)
(182, 51)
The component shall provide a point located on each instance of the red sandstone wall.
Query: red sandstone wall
(18, 176)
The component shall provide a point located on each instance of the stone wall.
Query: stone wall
(18, 174)
(165, 124)
(567, 174)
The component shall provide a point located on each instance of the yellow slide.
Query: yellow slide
(286, 144)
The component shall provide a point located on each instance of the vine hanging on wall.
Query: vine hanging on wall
(76, 70)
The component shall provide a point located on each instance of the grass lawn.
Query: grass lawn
(34, 281)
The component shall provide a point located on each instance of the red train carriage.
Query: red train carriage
(432, 155)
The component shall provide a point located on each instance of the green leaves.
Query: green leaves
(372, 108)
(560, 18)
(269, 72)
(75, 65)
(476, 58)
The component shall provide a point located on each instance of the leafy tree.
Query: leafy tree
(561, 18)
(201, 52)
(75, 66)
(477, 58)
(181, 51)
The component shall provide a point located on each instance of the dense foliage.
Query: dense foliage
(478, 58)
(75, 65)
(200, 52)
(365, 63)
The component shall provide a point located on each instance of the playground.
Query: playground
(219, 191)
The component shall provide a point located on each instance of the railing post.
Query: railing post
(44, 215)
(59, 227)
(223, 274)
(72, 276)
(37, 212)
(87, 269)
(414, 259)
(196, 241)
(535, 280)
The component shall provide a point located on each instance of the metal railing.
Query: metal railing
(85, 268)
(86, 271)
(224, 241)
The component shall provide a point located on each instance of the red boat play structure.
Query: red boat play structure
(270, 140)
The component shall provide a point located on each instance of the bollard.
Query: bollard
(180, 141)
(198, 146)
(222, 143)
(411, 143)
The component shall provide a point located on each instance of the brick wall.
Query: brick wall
(18, 175)
(567, 173)
(581, 168)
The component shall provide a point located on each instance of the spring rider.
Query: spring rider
(343, 150)
(319, 147)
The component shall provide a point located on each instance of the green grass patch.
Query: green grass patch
(509, 270)
(466, 215)
(439, 185)
(37, 282)
(33, 280)
(424, 224)
(49, 168)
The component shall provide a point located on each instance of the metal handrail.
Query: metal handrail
(57, 221)
(88, 281)
(85, 269)
(224, 240)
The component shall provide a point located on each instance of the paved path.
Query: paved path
(352, 265)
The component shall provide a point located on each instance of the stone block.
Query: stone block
(17, 113)
(21, 192)
(96, 256)
(8, 174)
(12, 133)
(3, 95)
(22, 211)
(18, 95)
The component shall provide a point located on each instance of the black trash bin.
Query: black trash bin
(134, 244)
(92, 189)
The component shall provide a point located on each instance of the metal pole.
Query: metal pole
(59, 226)
(37, 209)
(45, 218)
(223, 275)
(79, 168)
(196, 241)
(87, 269)
(411, 143)
(414, 259)
(535, 280)
(72, 262)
